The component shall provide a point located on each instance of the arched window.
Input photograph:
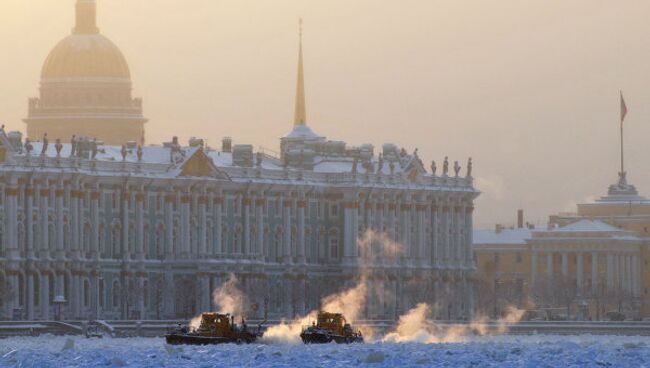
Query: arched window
(276, 249)
(334, 244)
(102, 293)
(145, 292)
(102, 240)
(160, 244)
(86, 293)
(115, 242)
(237, 243)
(86, 238)
(145, 241)
(116, 294)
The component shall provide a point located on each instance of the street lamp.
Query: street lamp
(58, 301)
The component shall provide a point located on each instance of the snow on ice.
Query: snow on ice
(485, 351)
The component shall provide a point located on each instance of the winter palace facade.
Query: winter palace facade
(94, 230)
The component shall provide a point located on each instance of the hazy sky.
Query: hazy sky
(529, 89)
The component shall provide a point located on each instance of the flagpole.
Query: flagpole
(622, 161)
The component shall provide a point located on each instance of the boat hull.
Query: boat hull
(325, 338)
(190, 339)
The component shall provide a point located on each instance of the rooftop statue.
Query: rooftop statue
(433, 167)
(139, 153)
(94, 149)
(73, 145)
(28, 146)
(58, 147)
(456, 168)
(469, 168)
(45, 144)
(445, 167)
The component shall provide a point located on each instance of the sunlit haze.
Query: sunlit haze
(528, 89)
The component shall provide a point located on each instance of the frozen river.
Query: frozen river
(495, 351)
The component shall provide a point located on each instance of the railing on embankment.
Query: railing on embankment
(153, 328)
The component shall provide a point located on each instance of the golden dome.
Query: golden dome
(85, 53)
(85, 56)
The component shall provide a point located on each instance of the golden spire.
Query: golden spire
(86, 17)
(300, 117)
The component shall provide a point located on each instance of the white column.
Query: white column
(58, 218)
(436, 216)
(94, 241)
(637, 275)
(45, 296)
(629, 274)
(405, 228)
(203, 224)
(259, 217)
(469, 239)
(185, 226)
(169, 226)
(348, 207)
(287, 256)
(139, 223)
(621, 272)
(533, 269)
(75, 196)
(11, 216)
(124, 211)
(218, 204)
(445, 235)
(420, 227)
(579, 272)
(379, 226)
(300, 237)
(246, 214)
(44, 222)
(142, 312)
(458, 223)
(73, 298)
(29, 224)
(594, 272)
(565, 265)
(29, 297)
(610, 271)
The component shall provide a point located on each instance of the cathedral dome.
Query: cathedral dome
(85, 56)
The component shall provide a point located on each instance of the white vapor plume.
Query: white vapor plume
(228, 298)
(350, 302)
(414, 326)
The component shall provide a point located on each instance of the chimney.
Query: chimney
(226, 144)
(520, 219)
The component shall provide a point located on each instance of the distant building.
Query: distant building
(594, 261)
(85, 89)
(129, 231)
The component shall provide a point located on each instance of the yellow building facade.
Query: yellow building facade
(591, 264)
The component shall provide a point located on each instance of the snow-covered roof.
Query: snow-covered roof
(504, 236)
(588, 226)
(302, 131)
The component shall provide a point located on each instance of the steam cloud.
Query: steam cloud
(228, 298)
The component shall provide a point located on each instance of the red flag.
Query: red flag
(623, 108)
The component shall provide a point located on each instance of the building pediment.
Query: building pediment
(200, 165)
